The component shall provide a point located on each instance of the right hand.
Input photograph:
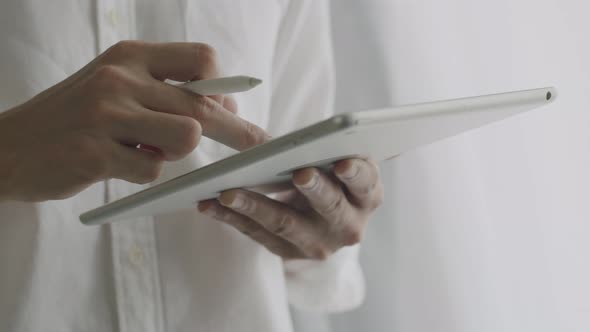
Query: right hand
(87, 127)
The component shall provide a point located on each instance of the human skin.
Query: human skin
(116, 118)
(320, 215)
(87, 128)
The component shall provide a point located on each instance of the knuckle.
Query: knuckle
(107, 72)
(319, 253)
(252, 135)
(206, 57)
(202, 107)
(206, 53)
(151, 173)
(109, 77)
(284, 225)
(124, 48)
(334, 206)
(351, 235)
(190, 133)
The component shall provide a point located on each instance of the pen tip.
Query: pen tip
(254, 81)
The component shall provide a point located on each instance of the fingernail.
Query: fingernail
(210, 211)
(311, 182)
(237, 203)
(350, 173)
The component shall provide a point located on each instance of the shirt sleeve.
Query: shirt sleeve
(303, 93)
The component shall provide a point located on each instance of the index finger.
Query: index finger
(226, 127)
(176, 61)
(217, 122)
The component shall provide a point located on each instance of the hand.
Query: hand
(115, 118)
(322, 214)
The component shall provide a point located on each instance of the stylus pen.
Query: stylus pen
(221, 86)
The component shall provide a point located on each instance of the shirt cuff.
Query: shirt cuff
(333, 285)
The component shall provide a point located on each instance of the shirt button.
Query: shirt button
(136, 256)
(113, 17)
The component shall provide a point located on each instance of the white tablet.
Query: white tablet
(380, 134)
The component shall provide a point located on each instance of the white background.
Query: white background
(490, 230)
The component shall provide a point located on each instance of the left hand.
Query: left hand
(321, 215)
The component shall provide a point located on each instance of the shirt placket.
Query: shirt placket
(133, 244)
(135, 271)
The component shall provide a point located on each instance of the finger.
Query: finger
(281, 220)
(218, 99)
(362, 180)
(226, 127)
(183, 61)
(230, 104)
(134, 165)
(324, 194)
(217, 122)
(251, 229)
(176, 61)
(174, 136)
(196, 61)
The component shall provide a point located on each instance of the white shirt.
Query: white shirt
(179, 272)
